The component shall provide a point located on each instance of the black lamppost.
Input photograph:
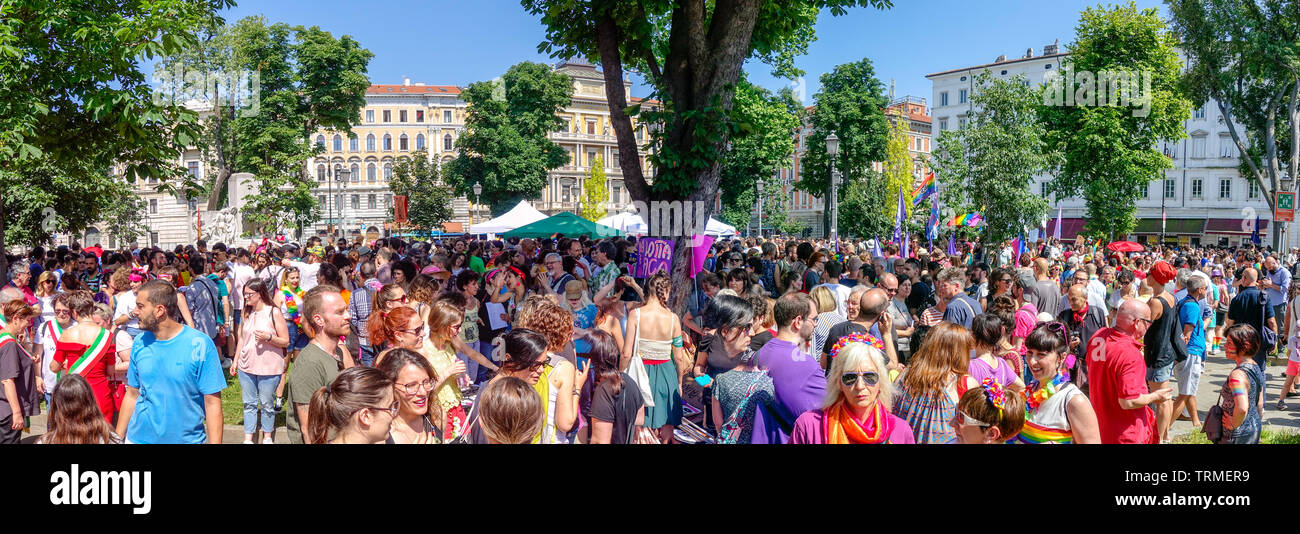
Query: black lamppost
(833, 149)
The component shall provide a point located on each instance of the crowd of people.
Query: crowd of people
(464, 340)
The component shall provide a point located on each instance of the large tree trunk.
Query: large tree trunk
(4, 249)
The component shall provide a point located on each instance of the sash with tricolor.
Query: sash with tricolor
(7, 338)
(97, 349)
(56, 330)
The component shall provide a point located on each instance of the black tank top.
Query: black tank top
(1157, 344)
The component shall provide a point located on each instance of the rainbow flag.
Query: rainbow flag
(967, 219)
(924, 190)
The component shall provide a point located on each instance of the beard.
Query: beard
(149, 322)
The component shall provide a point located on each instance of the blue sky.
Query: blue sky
(460, 42)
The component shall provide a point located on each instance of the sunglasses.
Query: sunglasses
(416, 332)
(967, 420)
(869, 378)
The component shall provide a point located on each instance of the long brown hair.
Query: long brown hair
(604, 358)
(946, 350)
(332, 406)
(75, 417)
(382, 298)
(659, 286)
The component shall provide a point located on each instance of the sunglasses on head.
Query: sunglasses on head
(869, 378)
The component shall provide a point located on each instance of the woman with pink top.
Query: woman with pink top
(259, 358)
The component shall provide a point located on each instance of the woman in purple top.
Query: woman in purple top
(989, 330)
(857, 409)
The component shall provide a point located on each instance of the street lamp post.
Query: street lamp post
(760, 207)
(478, 199)
(341, 175)
(833, 149)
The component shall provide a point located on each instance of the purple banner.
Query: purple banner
(653, 254)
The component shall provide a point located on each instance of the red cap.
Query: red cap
(1162, 272)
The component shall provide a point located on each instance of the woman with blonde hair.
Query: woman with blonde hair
(827, 316)
(933, 382)
(444, 322)
(857, 405)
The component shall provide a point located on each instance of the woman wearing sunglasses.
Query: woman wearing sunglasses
(1058, 411)
(415, 380)
(858, 411)
(358, 407)
(988, 413)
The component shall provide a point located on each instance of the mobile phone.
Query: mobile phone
(704, 380)
(582, 361)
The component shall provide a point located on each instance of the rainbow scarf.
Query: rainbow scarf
(1032, 434)
(842, 428)
(291, 304)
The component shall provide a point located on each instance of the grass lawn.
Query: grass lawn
(1268, 436)
(232, 403)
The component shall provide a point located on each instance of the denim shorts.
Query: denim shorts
(297, 338)
(1160, 374)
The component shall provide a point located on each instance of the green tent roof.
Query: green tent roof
(565, 223)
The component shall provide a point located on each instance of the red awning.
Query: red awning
(1233, 226)
(1070, 228)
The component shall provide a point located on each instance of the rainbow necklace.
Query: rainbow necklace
(1045, 391)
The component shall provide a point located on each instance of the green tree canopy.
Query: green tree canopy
(989, 166)
(73, 100)
(428, 198)
(1110, 152)
(761, 146)
(595, 193)
(505, 145)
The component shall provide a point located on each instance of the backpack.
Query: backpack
(202, 297)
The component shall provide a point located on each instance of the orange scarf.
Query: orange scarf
(843, 428)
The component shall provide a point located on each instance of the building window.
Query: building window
(1169, 188)
(354, 144)
(564, 194)
(1199, 112)
(388, 170)
(1146, 191)
(370, 142)
(193, 167)
(419, 115)
(618, 195)
(1225, 188)
(370, 116)
(356, 202)
(961, 123)
(370, 172)
(388, 143)
(388, 116)
(370, 202)
(1198, 147)
(355, 171)
(338, 203)
(1197, 186)
(320, 142)
(446, 116)
(320, 199)
(338, 143)
(320, 172)
(153, 206)
(1226, 147)
(591, 158)
(446, 142)
(591, 126)
(401, 116)
(613, 158)
(1042, 190)
(943, 124)
(153, 238)
(403, 143)
(640, 134)
(1254, 189)
(419, 142)
(961, 96)
(943, 98)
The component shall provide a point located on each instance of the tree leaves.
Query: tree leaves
(429, 199)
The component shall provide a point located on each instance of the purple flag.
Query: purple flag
(903, 252)
(876, 252)
(899, 218)
(952, 244)
(1057, 232)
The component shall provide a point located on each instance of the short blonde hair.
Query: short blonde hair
(852, 356)
(824, 299)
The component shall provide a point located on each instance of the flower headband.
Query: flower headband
(856, 337)
(1068, 360)
(138, 273)
(996, 395)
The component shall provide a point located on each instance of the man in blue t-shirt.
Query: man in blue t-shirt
(174, 380)
(960, 309)
(1191, 324)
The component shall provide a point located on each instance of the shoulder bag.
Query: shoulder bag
(636, 368)
(1213, 427)
(1268, 335)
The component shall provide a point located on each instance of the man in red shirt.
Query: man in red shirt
(1117, 378)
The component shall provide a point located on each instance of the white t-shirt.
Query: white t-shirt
(48, 349)
(125, 305)
(842, 294)
(306, 274)
(241, 273)
(123, 342)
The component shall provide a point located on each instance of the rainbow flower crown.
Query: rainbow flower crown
(857, 337)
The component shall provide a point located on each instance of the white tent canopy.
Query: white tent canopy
(631, 223)
(520, 215)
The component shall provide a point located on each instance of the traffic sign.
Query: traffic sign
(1284, 208)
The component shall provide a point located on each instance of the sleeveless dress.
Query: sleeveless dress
(657, 356)
(1048, 423)
(449, 396)
(928, 415)
(1248, 431)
